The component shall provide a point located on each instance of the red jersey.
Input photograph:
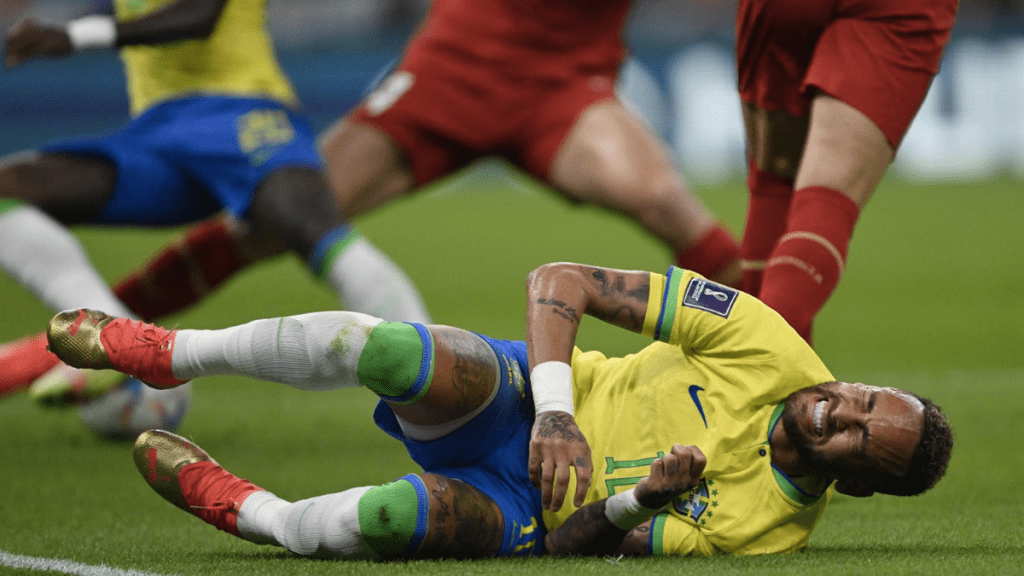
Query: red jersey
(556, 37)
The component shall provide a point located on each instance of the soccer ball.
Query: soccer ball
(133, 407)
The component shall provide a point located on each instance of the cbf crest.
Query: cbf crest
(696, 502)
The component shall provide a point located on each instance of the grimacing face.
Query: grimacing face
(854, 432)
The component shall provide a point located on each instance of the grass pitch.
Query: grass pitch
(932, 301)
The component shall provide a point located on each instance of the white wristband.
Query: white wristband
(552, 386)
(625, 511)
(92, 32)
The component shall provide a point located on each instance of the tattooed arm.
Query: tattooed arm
(558, 295)
(601, 528)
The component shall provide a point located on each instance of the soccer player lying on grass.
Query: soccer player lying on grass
(726, 435)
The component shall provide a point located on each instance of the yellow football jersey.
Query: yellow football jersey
(716, 378)
(238, 59)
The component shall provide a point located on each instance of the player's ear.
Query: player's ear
(855, 488)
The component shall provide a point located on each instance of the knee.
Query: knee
(294, 205)
(397, 361)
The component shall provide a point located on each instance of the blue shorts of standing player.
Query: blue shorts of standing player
(186, 159)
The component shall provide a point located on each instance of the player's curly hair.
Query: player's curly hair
(931, 457)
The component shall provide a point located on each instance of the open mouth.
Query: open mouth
(819, 416)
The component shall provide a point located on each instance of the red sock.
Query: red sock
(22, 361)
(767, 211)
(712, 256)
(808, 261)
(183, 273)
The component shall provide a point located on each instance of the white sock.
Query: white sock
(325, 526)
(46, 258)
(315, 351)
(368, 281)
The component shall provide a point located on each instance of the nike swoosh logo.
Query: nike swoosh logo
(693, 394)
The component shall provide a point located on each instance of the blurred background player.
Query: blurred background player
(215, 126)
(543, 98)
(828, 91)
(497, 425)
(532, 82)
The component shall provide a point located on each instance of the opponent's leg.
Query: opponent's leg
(22, 361)
(775, 141)
(295, 206)
(425, 516)
(365, 168)
(609, 158)
(844, 160)
(187, 270)
(767, 209)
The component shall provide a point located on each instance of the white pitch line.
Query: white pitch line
(66, 566)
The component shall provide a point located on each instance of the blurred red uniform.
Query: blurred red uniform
(498, 77)
(876, 56)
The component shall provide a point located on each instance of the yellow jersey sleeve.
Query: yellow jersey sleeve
(688, 310)
(671, 536)
(727, 326)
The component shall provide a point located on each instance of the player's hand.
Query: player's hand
(557, 445)
(671, 475)
(29, 39)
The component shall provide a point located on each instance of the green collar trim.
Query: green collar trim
(790, 488)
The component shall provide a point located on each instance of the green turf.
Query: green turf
(932, 301)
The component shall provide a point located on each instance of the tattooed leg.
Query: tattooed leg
(464, 522)
(464, 381)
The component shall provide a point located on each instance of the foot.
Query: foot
(89, 339)
(65, 386)
(22, 361)
(187, 477)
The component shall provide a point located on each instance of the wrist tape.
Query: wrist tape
(92, 32)
(625, 511)
(552, 387)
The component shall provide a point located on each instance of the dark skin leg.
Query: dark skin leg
(71, 188)
(293, 206)
(291, 209)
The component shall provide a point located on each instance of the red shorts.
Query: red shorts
(445, 112)
(879, 56)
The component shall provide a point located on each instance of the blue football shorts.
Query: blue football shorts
(490, 452)
(186, 159)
